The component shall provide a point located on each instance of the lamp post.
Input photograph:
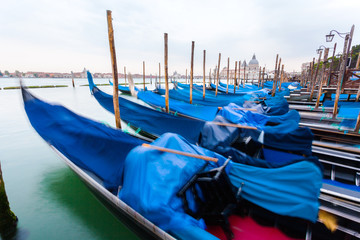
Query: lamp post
(347, 45)
(330, 36)
(320, 49)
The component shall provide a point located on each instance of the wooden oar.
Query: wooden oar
(233, 125)
(246, 109)
(162, 149)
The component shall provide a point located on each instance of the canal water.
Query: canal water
(47, 197)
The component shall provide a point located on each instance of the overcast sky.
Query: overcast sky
(68, 35)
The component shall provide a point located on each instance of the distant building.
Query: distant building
(176, 75)
(251, 70)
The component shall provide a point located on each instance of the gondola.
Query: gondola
(131, 180)
(229, 140)
(271, 105)
(124, 89)
(279, 132)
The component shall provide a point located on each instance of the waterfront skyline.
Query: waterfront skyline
(67, 36)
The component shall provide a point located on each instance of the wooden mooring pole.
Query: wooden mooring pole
(114, 70)
(227, 76)
(72, 76)
(347, 45)
(8, 220)
(262, 79)
(166, 72)
(144, 74)
(204, 74)
(244, 73)
(235, 80)
(239, 82)
(281, 77)
(314, 80)
(210, 77)
(312, 66)
(217, 75)
(275, 73)
(322, 77)
(159, 75)
(125, 76)
(331, 66)
(259, 79)
(192, 69)
(358, 62)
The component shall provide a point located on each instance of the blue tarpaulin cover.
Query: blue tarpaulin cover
(206, 113)
(271, 106)
(328, 103)
(209, 100)
(90, 145)
(292, 190)
(342, 97)
(280, 132)
(152, 179)
(149, 120)
(242, 91)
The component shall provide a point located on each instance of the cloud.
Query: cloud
(69, 35)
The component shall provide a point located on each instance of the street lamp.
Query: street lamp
(330, 36)
(320, 48)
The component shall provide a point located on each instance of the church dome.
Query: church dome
(253, 61)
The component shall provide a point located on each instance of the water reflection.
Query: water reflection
(67, 190)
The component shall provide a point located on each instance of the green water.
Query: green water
(48, 198)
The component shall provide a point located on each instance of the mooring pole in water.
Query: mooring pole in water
(322, 77)
(331, 66)
(217, 75)
(235, 80)
(227, 76)
(114, 70)
(238, 82)
(342, 70)
(72, 76)
(276, 78)
(262, 79)
(166, 72)
(278, 75)
(281, 77)
(244, 74)
(259, 79)
(312, 66)
(275, 73)
(210, 77)
(204, 74)
(125, 75)
(192, 69)
(315, 78)
(357, 67)
(8, 220)
(144, 74)
(159, 75)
